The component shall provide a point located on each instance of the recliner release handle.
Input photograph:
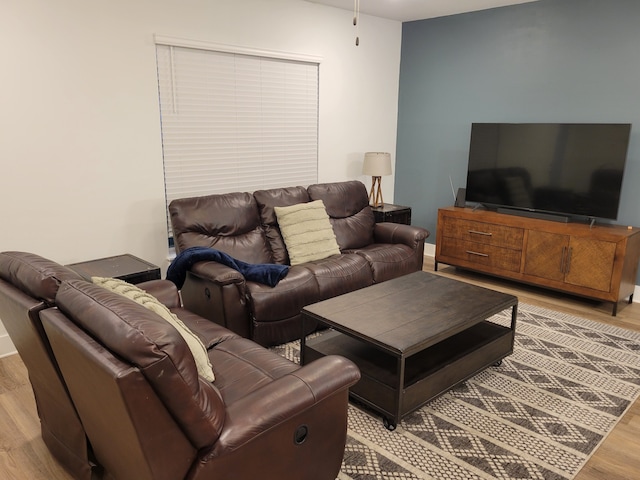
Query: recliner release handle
(300, 434)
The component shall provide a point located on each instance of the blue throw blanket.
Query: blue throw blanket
(266, 273)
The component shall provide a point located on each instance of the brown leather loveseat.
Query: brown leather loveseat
(147, 412)
(245, 226)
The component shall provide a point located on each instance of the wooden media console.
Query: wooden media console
(594, 261)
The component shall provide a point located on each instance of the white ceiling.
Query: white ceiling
(407, 10)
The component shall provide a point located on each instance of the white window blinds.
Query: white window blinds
(235, 122)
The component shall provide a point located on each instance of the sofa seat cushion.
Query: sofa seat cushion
(243, 366)
(307, 232)
(295, 291)
(340, 274)
(389, 261)
(148, 301)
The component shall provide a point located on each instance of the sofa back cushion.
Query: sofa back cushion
(228, 222)
(347, 204)
(140, 337)
(148, 301)
(34, 275)
(277, 197)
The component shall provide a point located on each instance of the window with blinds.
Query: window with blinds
(236, 122)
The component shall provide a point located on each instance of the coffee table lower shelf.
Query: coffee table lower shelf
(395, 385)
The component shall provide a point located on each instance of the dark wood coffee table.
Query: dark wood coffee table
(413, 338)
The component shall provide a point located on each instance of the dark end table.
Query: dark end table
(392, 213)
(125, 267)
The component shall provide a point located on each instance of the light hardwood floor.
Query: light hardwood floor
(24, 456)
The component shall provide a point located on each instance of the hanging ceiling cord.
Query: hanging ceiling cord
(356, 18)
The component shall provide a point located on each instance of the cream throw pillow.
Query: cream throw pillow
(150, 302)
(307, 232)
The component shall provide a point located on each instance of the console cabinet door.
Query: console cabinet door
(545, 255)
(590, 263)
(574, 260)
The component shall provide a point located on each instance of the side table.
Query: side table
(392, 213)
(125, 267)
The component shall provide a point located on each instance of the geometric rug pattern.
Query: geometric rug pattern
(539, 415)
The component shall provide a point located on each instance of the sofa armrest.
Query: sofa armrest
(217, 273)
(388, 232)
(164, 290)
(218, 293)
(285, 397)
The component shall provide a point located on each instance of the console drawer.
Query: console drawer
(484, 233)
(482, 254)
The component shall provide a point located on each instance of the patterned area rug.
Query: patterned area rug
(539, 415)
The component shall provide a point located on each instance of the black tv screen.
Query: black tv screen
(570, 169)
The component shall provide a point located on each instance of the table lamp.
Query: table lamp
(376, 164)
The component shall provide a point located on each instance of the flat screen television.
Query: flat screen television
(564, 169)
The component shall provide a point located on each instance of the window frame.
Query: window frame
(267, 57)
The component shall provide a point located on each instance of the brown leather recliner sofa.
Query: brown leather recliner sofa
(245, 226)
(134, 384)
(28, 285)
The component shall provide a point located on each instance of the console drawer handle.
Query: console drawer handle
(471, 252)
(476, 232)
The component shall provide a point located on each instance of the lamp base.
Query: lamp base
(375, 196)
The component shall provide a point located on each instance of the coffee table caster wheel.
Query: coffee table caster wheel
(498, 363)
(388, 424)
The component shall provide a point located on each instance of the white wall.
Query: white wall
(80, 146)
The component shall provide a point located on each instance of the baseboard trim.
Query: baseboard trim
(429, 250)
(6, 346)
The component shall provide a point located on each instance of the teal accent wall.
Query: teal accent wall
(546, 61)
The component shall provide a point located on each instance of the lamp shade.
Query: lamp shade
(376, 164)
